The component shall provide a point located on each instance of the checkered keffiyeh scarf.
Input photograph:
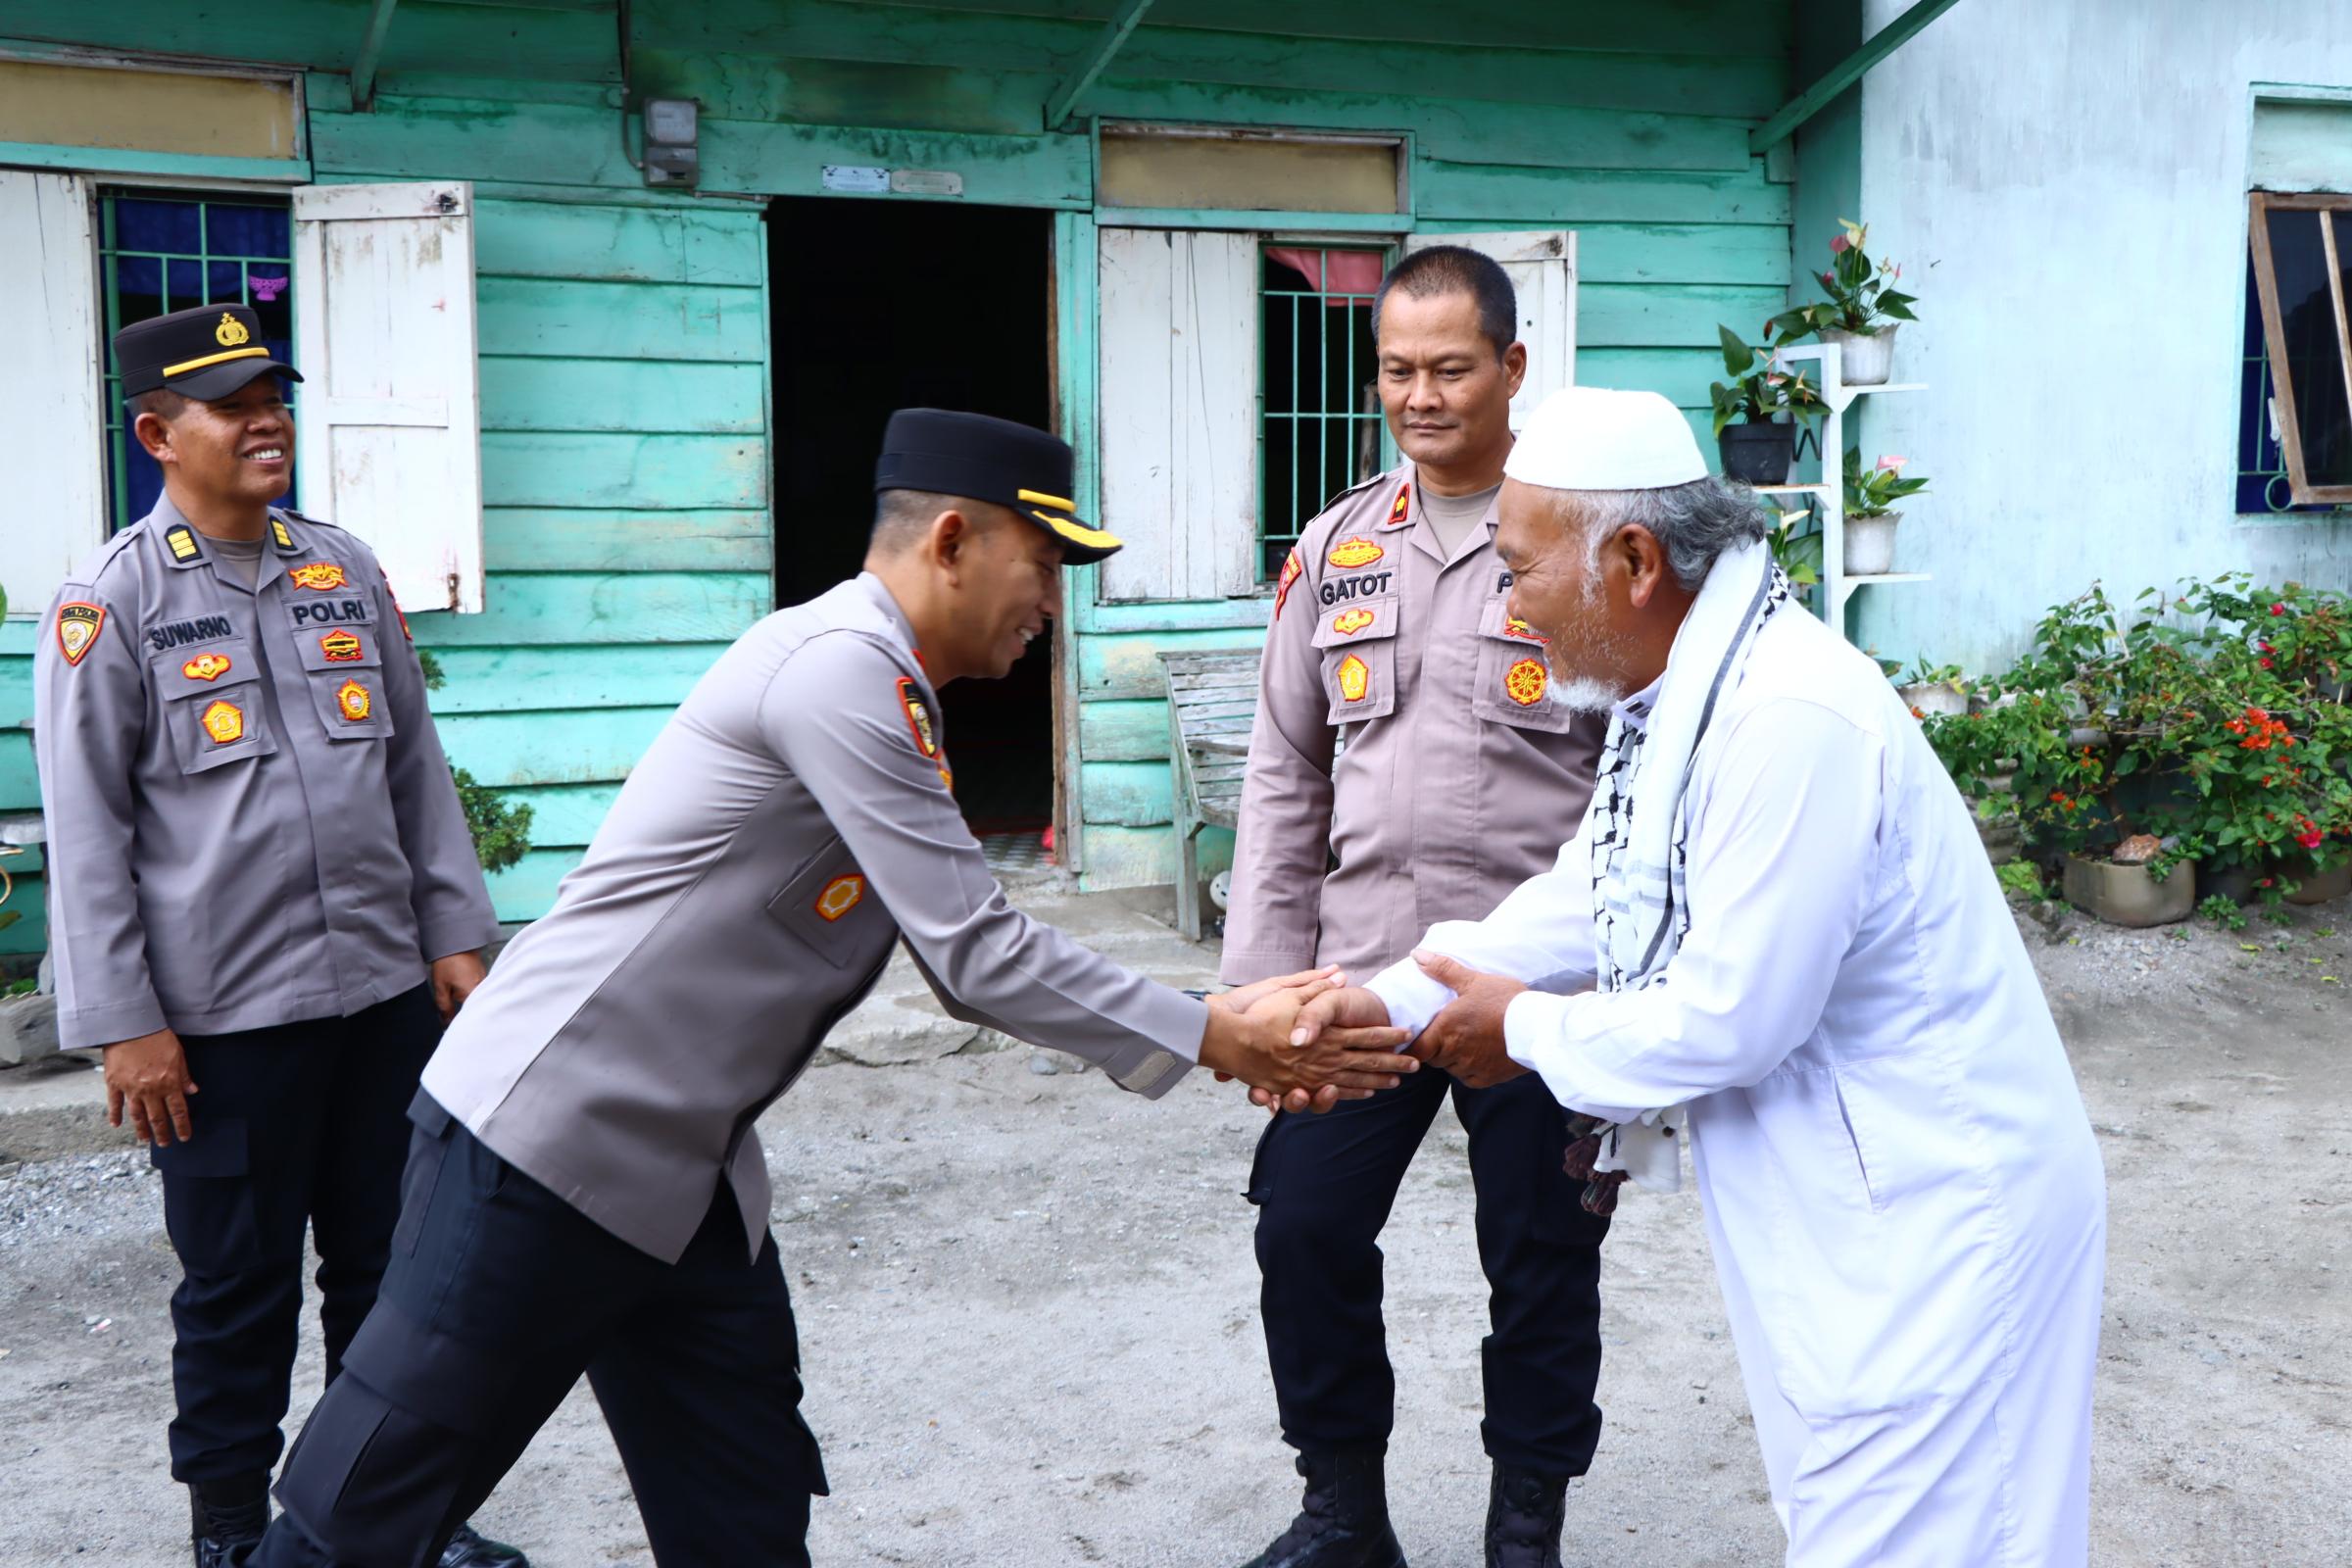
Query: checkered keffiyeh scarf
(1639, 831)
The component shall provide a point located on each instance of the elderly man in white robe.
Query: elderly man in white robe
(1777, 929)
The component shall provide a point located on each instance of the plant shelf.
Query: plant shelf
(1791, 489)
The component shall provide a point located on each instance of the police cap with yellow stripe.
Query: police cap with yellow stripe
(204, 353)
(1023, 469)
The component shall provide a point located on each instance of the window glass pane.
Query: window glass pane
(1319, 423)
(223, 283)
(186, 284)
(157, 225)
(245, 230)
(2312, 344)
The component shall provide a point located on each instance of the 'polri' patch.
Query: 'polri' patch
(77, 627)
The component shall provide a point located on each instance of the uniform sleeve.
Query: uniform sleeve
(837, 717)
(446, 890)
(90, 722)
(1541, 935)
(1783, 862)
(1283, 846)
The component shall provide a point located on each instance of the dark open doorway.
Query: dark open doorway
(877, 306)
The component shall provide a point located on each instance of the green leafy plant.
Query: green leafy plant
(1862, 296)
(1759, 391)
(1795, 549)
(2223, 912)
(501, 828)
(2021, 879)
(1872, 492)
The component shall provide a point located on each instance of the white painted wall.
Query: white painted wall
(2065, 185)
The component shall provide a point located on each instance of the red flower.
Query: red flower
(2266, 663)
(2278, 609)
(2310, 839)
(1839, 244)
(2264, 883)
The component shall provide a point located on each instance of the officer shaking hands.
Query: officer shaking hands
(264, 902)
(587, 1190)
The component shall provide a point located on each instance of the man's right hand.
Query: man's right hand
(1346, 1012)
(1342, 1063)
(149, 1076)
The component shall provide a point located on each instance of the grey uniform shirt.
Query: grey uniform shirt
(789, 824)
(250, 818)
(1462, 773)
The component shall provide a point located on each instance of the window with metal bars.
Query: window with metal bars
(162, 251)
(1320, 421)
(2299, 278)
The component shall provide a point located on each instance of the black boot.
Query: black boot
(226, 1518)
(469, 1548)
(1343, 1521)
(1524, 1515)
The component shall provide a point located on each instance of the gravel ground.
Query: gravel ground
(1028, 1306)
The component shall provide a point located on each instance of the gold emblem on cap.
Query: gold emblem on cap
(231, 333)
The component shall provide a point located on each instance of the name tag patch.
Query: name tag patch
(180, 633)
(842, 895)
(1339, 590)
(206, 666)
(353, 702)
(329, 611)
(223, 721)
(77, 627)
(322, 575)
(341, 648)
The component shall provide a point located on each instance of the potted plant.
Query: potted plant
(1758, 412)
(1870, 514)
(1933, 689)
(1795, 549)
(1863, 310)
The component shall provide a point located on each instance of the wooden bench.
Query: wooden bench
(1212, 700)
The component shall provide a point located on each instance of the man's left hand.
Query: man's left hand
(1466, 1037)
(453, 980)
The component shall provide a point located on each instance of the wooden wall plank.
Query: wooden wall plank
(1491, 194)
(780, 159)
(1133, 731)
(640, 396)
(570, 678)
(559, 539)
(1669, 316)
(526, 890)
(526, 469)
(1128, 794)
(618, 244)
(1126, 666)
(1134, 857)
(475, 139)
(564, 816)
(1666, 253)
(565, 319)
(948, 94)
(523, 40)
(563, 608)
(503, 749)
(1679, 375)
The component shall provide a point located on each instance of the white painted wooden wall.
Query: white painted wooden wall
(1178, 413)
(1540, 263)
(389, 433)
(56, 512)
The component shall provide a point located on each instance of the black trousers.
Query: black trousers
(499, 1296)
(1324, 1185)
(296, 1125)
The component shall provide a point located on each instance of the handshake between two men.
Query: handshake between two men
(1330, 1020)
(1303, 1041)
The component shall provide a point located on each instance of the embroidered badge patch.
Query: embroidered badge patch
(321, 575)
(353, 702)
(842, 895)
(206, 666)
(1515, 627)
(1354, 679)
(918, 717)
(1405, 498)
(1291, 569)
(181, 542)
(223, 721)
(1348, 622)
(231, 333)
(341, 648)
(1355, 551)
(278, 531)
(78, 626)
(1525, 681)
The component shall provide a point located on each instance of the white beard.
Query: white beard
(1581, 694)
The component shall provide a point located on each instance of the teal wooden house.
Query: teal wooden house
(603, 304)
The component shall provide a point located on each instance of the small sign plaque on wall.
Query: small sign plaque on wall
(854, 178)
(925, 182)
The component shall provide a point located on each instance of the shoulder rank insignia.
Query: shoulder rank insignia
(278, 531)
(1348, 622)
(842, 895)
(1292, 567)
(1354, 552)
(223, 721)
(1525, 681)
(77, 626)
(341, 647)
(918, 717)
(1515, 627)
(181, 543)
(321, 575)
(353, 702)
(1354, 679)
(206, 666)
(1404, 499)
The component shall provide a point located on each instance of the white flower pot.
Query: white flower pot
(1870, 544)
(1866, 358)
(2127, 895)
(1934, 697)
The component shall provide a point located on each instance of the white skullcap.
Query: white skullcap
(1595, 438)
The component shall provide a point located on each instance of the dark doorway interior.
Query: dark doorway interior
(882, 305)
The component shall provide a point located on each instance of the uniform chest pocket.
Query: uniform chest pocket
(1514, 683)
(829, 905)
(1357, 641)
(343, 666)
(212, 704)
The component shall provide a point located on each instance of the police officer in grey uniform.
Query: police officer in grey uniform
(587, 1189)
(262, 897)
